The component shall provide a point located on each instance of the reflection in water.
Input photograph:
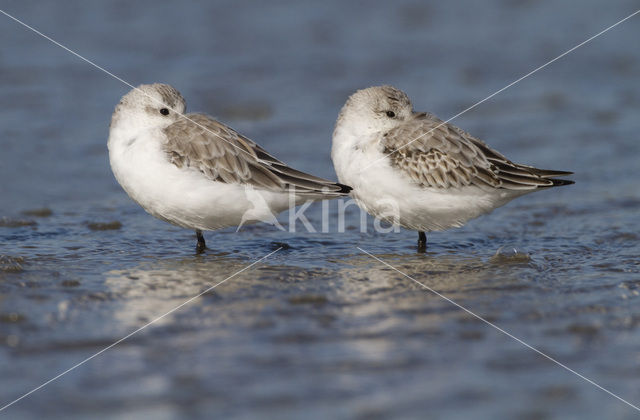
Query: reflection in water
(348, 330)
(148, 291)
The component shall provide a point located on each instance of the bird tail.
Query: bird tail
(344, 189)
(549, 175)
(560, 182)
(545, 173)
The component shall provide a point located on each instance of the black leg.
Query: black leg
(422, 242)
(201, 246)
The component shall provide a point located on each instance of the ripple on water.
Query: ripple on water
(115, 225)
(507, 255)
(307, 299)
(10, 222)
(41, 212)
(9, 264)
(11, 318)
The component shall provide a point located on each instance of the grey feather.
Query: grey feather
(199, 142)
(439, 155)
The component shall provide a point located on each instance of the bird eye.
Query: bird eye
(391, 114)
(164, 111)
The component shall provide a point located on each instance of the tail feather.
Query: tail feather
(544, 173)
(560, 182)
(344, 189)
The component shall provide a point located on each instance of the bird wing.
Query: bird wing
(440, 155)
(221, 154)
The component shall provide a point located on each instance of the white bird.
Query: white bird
(195, 172)
(412, 169)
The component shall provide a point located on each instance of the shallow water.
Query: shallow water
(319, 329)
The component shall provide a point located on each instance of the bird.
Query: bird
(198, 173)
(414, 170)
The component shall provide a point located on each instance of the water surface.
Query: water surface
(320, 329)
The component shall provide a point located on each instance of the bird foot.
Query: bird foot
(201, 245)
(422, 242)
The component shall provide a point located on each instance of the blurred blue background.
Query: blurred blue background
(319, 330)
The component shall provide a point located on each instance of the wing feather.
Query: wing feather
(439, 155)
(199, 142)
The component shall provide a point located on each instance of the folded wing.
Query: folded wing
(439, 155)
(198, 141)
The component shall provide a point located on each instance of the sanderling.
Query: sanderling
(195, 172)
(411, 169)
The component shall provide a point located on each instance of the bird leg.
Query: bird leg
(422, 242)
(201, 246)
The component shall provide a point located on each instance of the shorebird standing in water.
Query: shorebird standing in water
(193, 171)
(437, 175)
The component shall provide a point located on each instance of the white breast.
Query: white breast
(386, 192)
(183, 196)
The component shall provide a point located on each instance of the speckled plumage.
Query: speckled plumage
(444, 156)
(434, 175)
(223, 155)
(195, 172)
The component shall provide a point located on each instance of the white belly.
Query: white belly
(387, 193)
(185, 197)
